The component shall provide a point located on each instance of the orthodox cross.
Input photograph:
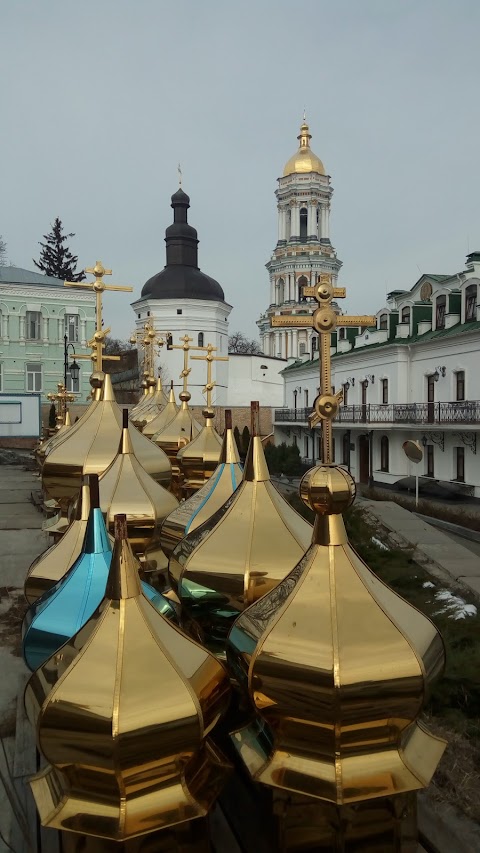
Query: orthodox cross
(98, 286)
(148, 337)
(61, 398)
(179, 170)
(209, 358)
(324, 320)
(186, 349)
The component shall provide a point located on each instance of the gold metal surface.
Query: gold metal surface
(158, 402)
(90, 447)
(197, 509)
(304, 160)
(47, 445)
(125, 487)
(159, 422)
(337, 667)
(53, 563)
(199, 459)
(239, 554)
(176, 435)
(122, 714)
(154, 398)
(98, 286)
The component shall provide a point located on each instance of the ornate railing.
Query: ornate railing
(467, 412)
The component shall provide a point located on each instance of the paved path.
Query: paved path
(21, 540)
(434, 549)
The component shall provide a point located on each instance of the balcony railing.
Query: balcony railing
(467, 412)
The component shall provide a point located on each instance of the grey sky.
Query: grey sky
(101, 99)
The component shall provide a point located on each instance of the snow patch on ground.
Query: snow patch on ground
(428, 585)
(455, 606)
(380, 544)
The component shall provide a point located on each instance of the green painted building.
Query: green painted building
(36, 312)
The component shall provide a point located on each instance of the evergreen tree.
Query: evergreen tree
(245, 439)
(56, 258)
(52, 417)
(236, 435)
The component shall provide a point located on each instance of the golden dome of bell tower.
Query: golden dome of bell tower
(304, 160)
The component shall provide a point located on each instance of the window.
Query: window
(406, 315)
(383, 322)
(384, 390)
(73, 385)
(471, 302)
(306, 446)
(460, 384)
(440, 309)
(333, 450)
(301, 349)
(200, 339)
(32, 331)
(302, 282)
(314, 344)
(280, 291)
(346, 449)
(295, 441)
(34, 377)
(342, 333)
(71, 327)
(430, 466)
(305, 394)
(303, 224)
(459, 463)
(345, 387)
(179, 311)
(384, 448)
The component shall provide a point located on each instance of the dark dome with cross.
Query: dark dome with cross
(181, 278)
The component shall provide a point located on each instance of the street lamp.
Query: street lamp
(73, 368)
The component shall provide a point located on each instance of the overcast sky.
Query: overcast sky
(100, 100)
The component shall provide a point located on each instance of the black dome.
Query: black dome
(181, 277)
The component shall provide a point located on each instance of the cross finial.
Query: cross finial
(209, 358)
(179, 170)
(324, 320)
(98, 286)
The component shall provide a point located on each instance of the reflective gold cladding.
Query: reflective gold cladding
(148, 408)
(159, 422)
(47, 445)
(203, 504)
(53, 564)
(177, 434)
(91, 446)
(199, 459)
(337, 667)
(122, 714)
(239, 554)
(125, 487)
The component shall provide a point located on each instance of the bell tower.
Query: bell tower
(303, 249)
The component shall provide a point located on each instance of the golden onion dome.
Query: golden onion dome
(203, 504)
(123, 714)
(179, 432)
(242, 552)
(199, 459)
(304, 160)
(126, 488)
(337, 667)
(47, 445)
(55, 562)
(91, 445)
(163, 418)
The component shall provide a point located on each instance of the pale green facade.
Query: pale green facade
(36, 311)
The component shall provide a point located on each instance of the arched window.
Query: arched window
(303, 224)
(200, 339)
(440, 309)
(471, 303)
(342, 333)
(314, 344)
(384, 453)
(301, 349)
(383, 322)
(406, 314)
(302, 282)
(280, 291)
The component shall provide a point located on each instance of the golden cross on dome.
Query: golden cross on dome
(324, 320)
(148, 337)
(98, 286)
(186, 349)
(209, 358)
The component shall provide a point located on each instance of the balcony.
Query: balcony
(467, 412)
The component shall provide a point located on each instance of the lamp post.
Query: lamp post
(73, 368)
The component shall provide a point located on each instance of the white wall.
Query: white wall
(255, 377)
(19, 415)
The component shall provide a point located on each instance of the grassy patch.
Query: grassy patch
(445, 512)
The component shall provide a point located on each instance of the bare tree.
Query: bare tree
(3, 252)
(239, 343)
(114, 346)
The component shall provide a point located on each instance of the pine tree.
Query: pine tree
(245, 439)
(56, 258)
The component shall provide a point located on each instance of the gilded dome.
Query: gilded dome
(304, 160)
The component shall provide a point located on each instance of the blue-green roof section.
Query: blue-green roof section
(17, 275)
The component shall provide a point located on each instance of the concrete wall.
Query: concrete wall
(255, 377)
(19, 416)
